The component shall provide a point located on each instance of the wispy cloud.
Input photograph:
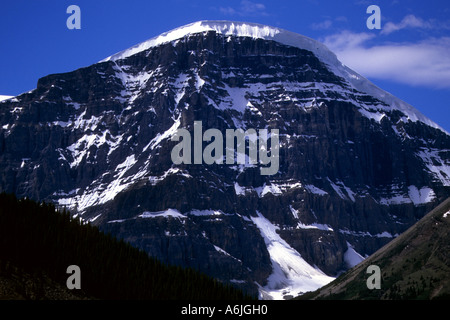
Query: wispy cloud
(324, 25)
(253, 7)
(245, 8)
(423, 63)
(228, 11)
(408, 22)
(328, 23)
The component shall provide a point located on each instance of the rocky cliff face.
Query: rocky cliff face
(356, 166)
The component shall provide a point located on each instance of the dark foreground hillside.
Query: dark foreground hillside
(414, 266)
(38, 243)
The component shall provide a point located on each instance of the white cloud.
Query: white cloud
(228, 11)
(246, 8)
(322, 25)
(346, 39)
(252, 7)
(328, 23)
(424, 63)
(410, 21)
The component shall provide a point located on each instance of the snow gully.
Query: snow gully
(213, 152)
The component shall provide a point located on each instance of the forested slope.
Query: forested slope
(38, 243)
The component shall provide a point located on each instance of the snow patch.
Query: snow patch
(414, 195)
(196, 212)
(351, 257)
(350, 193)
(300, 225)
(438, 167)
(236, 99)
(384, 234)
(240, 191)
(166, 214)
(421, 196)
(218, 249)
(315, 190)
(156, 179)
(291, 274)
(272, 188)
(3, 97)
(180, 84)
(81, 148)
(167, 134)
(318, 226)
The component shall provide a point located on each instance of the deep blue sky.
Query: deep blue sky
(409, 56)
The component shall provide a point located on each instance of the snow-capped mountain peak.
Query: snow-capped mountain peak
(237, 29)
(240, 29)
(259, 31)
(3, 97)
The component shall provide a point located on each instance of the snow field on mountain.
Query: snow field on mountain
(258, 31)
(291, 274)
(3, 97)
(351, 257)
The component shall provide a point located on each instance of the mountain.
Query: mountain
(415, 265)
(334, 167)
